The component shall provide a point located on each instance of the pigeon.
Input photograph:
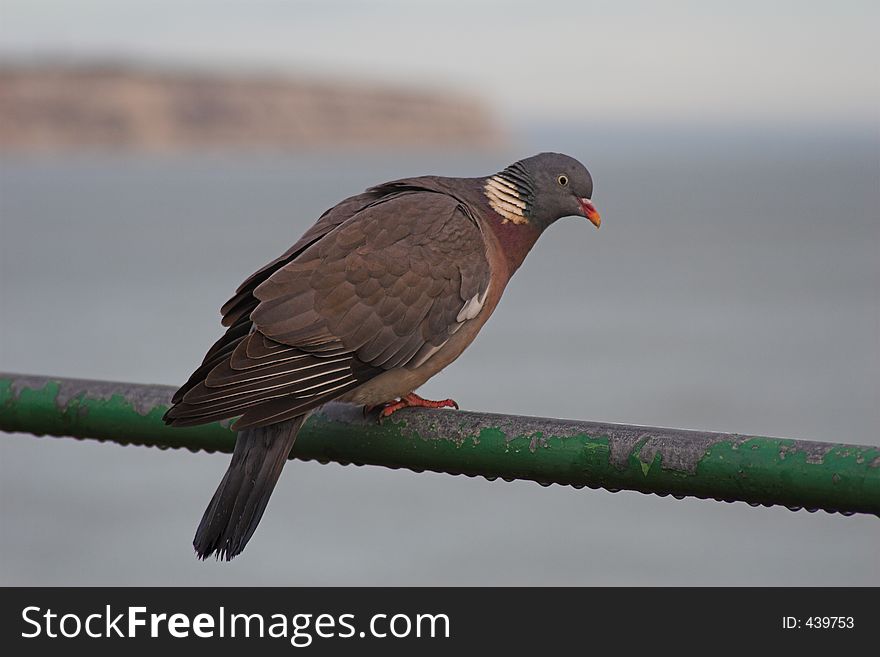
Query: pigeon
(383, 292)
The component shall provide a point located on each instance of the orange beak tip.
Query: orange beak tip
(590, 212)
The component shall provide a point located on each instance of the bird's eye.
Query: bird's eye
(562, 180)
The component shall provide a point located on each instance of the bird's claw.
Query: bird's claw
(412, 400)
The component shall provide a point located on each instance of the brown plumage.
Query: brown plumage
(384, 291)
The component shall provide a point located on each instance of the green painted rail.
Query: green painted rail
(729, 467)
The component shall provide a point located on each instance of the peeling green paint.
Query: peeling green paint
(730, 467)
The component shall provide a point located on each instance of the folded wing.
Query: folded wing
(383, 288)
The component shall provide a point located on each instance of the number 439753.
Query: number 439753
(819, 622)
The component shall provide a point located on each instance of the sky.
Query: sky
(632, 60)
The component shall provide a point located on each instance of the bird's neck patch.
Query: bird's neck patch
(509, 196)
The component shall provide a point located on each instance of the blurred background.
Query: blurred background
(156, 153)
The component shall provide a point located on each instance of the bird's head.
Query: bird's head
(541, 189)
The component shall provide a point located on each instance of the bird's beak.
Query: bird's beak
(590, 211)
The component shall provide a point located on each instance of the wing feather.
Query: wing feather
(377, 283)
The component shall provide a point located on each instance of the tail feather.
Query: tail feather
(237, 506)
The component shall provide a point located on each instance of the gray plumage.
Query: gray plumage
(386, 289)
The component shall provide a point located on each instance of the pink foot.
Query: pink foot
(413, 400)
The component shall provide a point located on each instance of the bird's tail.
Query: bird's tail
(237, 506)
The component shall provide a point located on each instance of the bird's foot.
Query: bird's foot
(412, 400)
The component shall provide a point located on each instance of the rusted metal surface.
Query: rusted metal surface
(722, 466)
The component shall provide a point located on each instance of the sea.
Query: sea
(734, 286)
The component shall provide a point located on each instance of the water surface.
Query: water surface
(733, 287)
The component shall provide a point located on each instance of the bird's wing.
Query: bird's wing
(385, 289)
(392, 280)
(243, 302)
(236, 312)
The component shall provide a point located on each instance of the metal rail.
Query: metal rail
(729, 467)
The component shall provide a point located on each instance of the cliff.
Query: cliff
(60, 109)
